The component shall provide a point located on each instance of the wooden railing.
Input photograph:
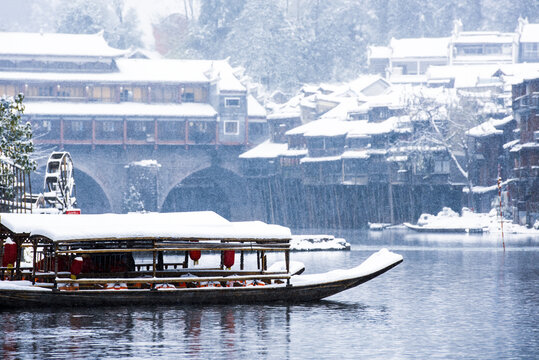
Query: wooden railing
(15, 188)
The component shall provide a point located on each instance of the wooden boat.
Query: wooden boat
(113, 259)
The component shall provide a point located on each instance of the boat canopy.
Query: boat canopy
(203, 225)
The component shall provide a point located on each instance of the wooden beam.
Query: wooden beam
(156, 280)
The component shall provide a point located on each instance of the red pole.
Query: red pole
(501, 214)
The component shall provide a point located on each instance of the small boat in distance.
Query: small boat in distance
(127, 259)
(448, 221)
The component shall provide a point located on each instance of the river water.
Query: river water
(453, 297)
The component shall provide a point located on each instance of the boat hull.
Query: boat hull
(442, 230)
(216, 295)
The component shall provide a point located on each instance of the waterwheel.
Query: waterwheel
(59, 186)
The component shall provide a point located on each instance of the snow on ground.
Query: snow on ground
(488, 222)
(317, 242)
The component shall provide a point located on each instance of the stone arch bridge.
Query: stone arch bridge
(165, 179)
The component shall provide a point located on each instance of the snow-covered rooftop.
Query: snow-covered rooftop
(356, 128)
(148, 71)
(254, 109)
(202, 224)
(266, 150)
(49, 108)
(530, 33)
(420, 48)
(468, 76)
(320, 159)
(485, 129)
(484, 37)
(56, 44)
(379, 52)
(355, 154)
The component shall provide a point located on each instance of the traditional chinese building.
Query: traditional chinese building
(80, 91)
(525, 153)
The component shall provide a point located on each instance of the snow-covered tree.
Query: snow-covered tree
(83, 17)
(15, 145)
(132, 200)
(259, 40)
(15, 137)
(441, 117)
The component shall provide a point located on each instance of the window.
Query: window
(188, 97)
(108, 126)
(471, 50)
(232, 127)
(77, 126)
(530, 50)
(102, 93)
(290, 161)
(47, 125)
(441, 166)
(232, 102)
(139, 126)
(126, 95)
(493, 49)
(45, 91)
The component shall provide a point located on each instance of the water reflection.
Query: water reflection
(453, 297)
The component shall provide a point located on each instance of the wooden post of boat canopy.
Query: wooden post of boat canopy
(34, 260)
(222, 266)
(154, 259)
(287, 262)
(55, 286)
(263, 258)
(19, 242)
(186, 260)
(242, 260)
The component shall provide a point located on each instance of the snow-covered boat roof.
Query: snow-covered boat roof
(202, 225)
(49, 108)
(57, 44)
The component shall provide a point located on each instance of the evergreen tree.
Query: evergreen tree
(215, 22)
(15, 138)
(132, 200)
(83, 17)
(259, 40)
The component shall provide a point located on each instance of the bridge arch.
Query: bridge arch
(90, 192)
(213, 188)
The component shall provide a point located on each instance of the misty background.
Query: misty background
(281, 44)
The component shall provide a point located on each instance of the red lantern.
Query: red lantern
(76, 266)
(228, 258)
(195, 255)
(10, 253)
